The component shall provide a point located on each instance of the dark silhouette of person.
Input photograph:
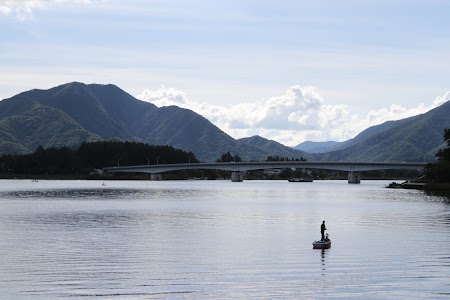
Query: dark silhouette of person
(322, 230)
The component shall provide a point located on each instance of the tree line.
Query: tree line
(90, 156)
(228, 157)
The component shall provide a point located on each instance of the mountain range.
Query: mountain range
(71, 113)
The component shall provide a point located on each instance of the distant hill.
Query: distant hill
(273, 148)
(317, 147)
(71, 113)
(372, 131)
(329, 146)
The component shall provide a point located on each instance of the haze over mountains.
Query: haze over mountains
(71, 113)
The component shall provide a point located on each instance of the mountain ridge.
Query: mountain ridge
(107, 112)
(276, 149)
(412, 139)
(74, 112)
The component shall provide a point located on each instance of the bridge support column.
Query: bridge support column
(156, 176)
(354, 177)
(237, 176)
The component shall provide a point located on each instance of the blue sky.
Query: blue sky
(286, 70)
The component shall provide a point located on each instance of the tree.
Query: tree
(278, 158)
(227, 157)
(440, 170)
(444, 154)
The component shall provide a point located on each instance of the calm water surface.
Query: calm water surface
(221, 240)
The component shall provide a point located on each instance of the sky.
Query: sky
(289, 71)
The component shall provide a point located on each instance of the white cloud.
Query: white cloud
(165, 97)
(291, 118)
(4, 9)
(440, 100)
(23, 9)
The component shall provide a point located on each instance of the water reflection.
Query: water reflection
(323, 254)
(443, 196)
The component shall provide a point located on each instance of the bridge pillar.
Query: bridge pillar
(237, 176)
(354, 177)
(156, 176)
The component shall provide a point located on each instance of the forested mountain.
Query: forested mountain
(413, 139)
(76, 112)
(273, 148)
(416, 138)
(329, 146)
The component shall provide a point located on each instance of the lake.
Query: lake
(221, 240)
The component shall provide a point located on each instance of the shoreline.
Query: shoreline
(421, 185)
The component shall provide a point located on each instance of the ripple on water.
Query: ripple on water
(222, 241)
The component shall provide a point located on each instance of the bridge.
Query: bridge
(238, 169)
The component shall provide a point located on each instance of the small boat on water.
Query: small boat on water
(300, 180)
(322, 244)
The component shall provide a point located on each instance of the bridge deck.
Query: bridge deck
(246, 166)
